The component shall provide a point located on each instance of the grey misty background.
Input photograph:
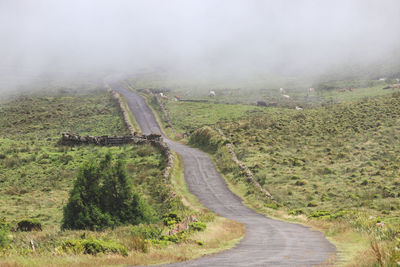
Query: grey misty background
(214, 38)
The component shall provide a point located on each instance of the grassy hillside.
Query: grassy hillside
(338, 164)
(37, 173)
(335, 166)
(339, 157)
(264, 87)
(200, 114)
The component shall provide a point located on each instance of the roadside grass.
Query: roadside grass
(131, 117)
(221, 234)
(179, 184)
(335, 166)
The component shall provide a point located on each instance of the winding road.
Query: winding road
(267, 242)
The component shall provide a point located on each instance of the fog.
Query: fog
(218, 37)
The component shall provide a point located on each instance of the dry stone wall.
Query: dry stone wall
(164, 111)
(124, 111)
(75, 139)
(153, 139)
(243, 167)
(72, 139)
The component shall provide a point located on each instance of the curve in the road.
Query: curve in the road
(267, 242)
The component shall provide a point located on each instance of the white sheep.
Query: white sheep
(211, 94)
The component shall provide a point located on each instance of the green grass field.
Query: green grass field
(37, 174)
(336, 163)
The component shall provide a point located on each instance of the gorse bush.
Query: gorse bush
(103, 197)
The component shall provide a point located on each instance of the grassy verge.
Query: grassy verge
(131, 117)
(162, 122)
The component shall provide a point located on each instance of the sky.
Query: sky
(219, 36)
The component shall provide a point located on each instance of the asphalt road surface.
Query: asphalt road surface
(267, 242)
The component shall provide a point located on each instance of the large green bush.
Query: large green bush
(103, 197)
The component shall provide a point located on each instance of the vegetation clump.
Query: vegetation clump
(93, 246)
(296, 211)
(103, 197)
(28, 225)
(197, 226)
(206, 138)
(147, 231)
(319, 214)
(171, 219)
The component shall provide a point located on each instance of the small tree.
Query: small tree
(103, 197)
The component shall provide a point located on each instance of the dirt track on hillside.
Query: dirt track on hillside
(267, 242)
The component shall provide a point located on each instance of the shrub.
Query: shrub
(170, 238)
(93, 247)
(178, 237)
(147, 231)
(103, 197)
(387, 192)
(197, 226)
(312, 204)
(206, 138)
(28, 225)
(171, 219)
(300, 182)
(319, 213)
(296, 212)
(274, 206)
(338, 214)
